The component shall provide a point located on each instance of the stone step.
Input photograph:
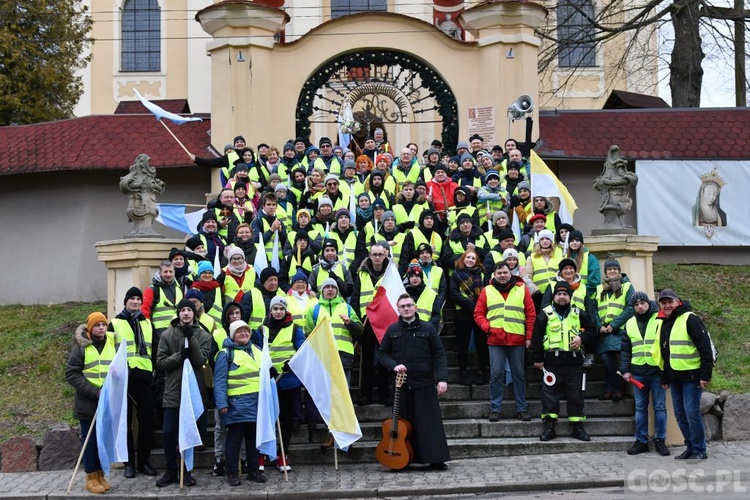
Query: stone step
(364, 451)
(464, 428)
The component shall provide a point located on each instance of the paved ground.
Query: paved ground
(600, 476)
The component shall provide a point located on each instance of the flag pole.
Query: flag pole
(335, 456)
(80, 455)
(175, 137)
(182, 470)
(281, 446)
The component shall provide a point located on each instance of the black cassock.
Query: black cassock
(418, 346)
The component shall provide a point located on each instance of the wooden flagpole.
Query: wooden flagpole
(281, 446)
(80, 455)
(175, 137)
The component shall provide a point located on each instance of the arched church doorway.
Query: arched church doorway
(386, 89)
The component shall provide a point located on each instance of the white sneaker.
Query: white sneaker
(280, 465)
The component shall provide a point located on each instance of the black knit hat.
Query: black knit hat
(611, 263)
(567, 262)
(266, 273)
(186, 303)
(176, 251)
(331, 243)
(562, 286)
(575, 235)
(134, 291)
(639, 297)
(193, 242)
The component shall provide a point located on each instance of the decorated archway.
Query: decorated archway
(383, 87)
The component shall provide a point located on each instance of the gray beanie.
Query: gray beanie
(387, 214)
(611, 263)
(466, 156)
(524, 185)
(349, 164)
(331, 177)
(277, 301)
(499, 215)
(462, 144)
(329, 282)
(325, 200)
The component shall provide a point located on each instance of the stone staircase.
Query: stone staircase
(465, 416)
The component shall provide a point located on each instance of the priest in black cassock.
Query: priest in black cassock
(413, 347)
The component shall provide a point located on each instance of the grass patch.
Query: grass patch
(34, 346)
(720, 295)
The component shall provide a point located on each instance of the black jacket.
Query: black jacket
(697, 332)
(588, 336)
(417, 346)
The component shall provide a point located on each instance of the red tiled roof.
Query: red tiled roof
(686, 133)
(99, 142)
(179, 106)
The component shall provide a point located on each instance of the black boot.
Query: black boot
(579, 433)
(549, 430)
(464, 379)
(169, 477)
(129, 470)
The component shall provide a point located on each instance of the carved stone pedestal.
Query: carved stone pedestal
(131, 262)
(634, 252)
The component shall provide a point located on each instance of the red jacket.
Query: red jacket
(498, 336)
(440, 202)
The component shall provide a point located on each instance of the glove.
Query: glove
(187, 333)
(185, 353)
(273, 372)
(286, 368)
(514, 201)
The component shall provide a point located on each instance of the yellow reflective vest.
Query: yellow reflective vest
(683, 355)
(561, 332)
(641, 347)
(96, 364)
(123, 331)
(245, 379)
(612, 306)
(508, 314)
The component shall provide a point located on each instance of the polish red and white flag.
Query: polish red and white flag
(382, 311)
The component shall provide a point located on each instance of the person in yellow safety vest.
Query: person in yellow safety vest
(255, 304)
(131, 325)
(491, 198)
(284, 338)
(612, 302)
(390, 234)
(429, 306)
(238, 277)
(300, 298)
(505, 239)
(366, 231)
(236, 387)
(329, 266)
(505, 312)
(462, 205)
(269, 226)
(536, 224)
(375, 187)
(687, 355)
(285, 209)
(567, 272)
(433, 275)
(350, 185)
(467, 236)
(347, 329)
(369, 276)
(343, 231)
(541, 205)
(302, 258)
(323, 219)
(424, 233)
(161, 297)
(304, 222)
(331, 162)
(184, 341)
(408, 207)
(224, 163)
(541, 265)
(588, 264)
(406, 169)
(211, 288)
(88, 364)
(232, 312)
(637, 363)
(210, 238)
(521, 205)
(559, 331)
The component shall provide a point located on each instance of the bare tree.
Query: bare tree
(578, 28)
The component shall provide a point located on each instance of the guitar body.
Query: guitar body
(396, 452)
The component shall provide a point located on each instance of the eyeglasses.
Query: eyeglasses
(326, 146)
(377, 255)
(406, 306)
(332, 184)
(237, 259)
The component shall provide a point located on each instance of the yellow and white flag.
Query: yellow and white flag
(318, 366)
(545, 183)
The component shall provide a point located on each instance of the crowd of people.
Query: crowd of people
(334, 220)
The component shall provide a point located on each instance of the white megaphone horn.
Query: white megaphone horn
(520, 107)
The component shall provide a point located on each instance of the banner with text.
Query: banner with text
(482, 122)
(694, 202)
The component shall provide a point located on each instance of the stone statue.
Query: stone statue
(450, 28)
(615, 183)
(142, 186)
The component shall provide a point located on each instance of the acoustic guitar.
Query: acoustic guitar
(394, 450)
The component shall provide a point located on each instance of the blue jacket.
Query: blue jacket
(242, 408)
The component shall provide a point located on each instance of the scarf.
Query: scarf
(206, 286)
(613, 285)
(364, 213)
(504, 288)
(135, 324)
(237, 270)
(472, 281)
